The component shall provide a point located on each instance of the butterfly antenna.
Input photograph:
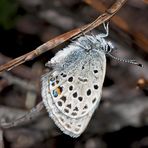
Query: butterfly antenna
(126, 60)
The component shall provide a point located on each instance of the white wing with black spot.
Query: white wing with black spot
(72, 91)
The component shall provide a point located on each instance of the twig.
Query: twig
(121, 23)
(28, 116)
(3, 84)
(1, 139)
(111, 116)
(51, 44)
(28, 85)
(22, 71)
(145, 1)
(64, 37)
(142, 84)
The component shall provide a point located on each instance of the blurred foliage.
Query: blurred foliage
(8, 13)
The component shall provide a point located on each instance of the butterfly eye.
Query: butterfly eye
(109, 47)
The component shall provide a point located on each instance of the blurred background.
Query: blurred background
(121, 120)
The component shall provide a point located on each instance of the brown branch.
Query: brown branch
(1, 139)
(109, 117)
(3, 84)
(28, 116)
(22, 71)
(11, 79)
(145, 1)
(64, 37)
(121, 23)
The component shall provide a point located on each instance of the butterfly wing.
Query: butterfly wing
(72, 91)
(73, 127)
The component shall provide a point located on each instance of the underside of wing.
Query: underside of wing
(71, 126)
(71, 98)
(76, 91)
(72, 91)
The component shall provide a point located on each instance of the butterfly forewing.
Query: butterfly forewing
(72, 91)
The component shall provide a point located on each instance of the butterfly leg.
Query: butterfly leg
(77, 36)
(106, 27)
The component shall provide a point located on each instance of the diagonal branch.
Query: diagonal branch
(1, 139)
(64, 37)
(28, 116)
(121, 23)
(51, 44)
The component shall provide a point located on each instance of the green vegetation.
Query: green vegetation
(8, 13)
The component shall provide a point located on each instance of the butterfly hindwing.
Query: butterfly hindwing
(72, 91)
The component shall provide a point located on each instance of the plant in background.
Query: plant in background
(8, 13)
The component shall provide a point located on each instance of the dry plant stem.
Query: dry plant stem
(22, 71)
(121, 23)
(51, 44)
(27, 85)
(28, 116)
(145, 1)
(1, 139)
(64, 37)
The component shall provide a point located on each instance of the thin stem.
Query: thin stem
(28, 116)
(64, 37)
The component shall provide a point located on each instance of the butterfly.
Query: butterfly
(72, 90)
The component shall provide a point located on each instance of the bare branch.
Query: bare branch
(140, 38)
(22, 71)
(28, 116)
(1, 139)
(64, 37)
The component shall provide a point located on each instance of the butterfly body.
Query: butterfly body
(72, 90)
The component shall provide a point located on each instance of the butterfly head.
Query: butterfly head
(104, 45)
